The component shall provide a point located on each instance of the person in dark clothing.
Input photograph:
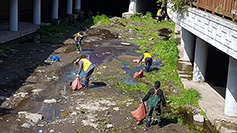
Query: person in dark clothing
(86, 66)
(147, 57)
(155, 97)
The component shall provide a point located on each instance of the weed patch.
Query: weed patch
(102, 19)
(54, 31)
(190, 96)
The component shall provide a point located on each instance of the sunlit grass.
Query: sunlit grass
(189, 96)
(146, 27)
(102, 19)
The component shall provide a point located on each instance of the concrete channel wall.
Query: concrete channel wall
(199, 30)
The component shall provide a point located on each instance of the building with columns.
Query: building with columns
(23, 17)
(10, 9)
(203, 32)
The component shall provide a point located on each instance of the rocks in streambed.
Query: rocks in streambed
(109, 126)
(198, 118)
(126, 43)
(135, 61)
(50, 101)
(116, 108)
(21, 94)
(31, 118)
(36, 91)
(26, 125)
(89, 123)
(69, 41)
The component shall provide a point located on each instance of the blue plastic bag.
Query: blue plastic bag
(54, 58)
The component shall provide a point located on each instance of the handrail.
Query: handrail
(225, 8)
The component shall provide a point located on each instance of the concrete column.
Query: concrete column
(132, 6)
(200, 60)
(37, 12)
(55, 9)
(231, 89)
(69, 6)
(188, 43)
(13, 18)
(77, 6)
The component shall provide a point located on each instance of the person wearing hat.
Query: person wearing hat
(86, 66)
(78, 38)
(159, 15)
(147, 57)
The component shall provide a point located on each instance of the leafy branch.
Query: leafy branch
(177, 5)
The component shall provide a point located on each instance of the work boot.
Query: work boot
(148, 69)
(148, 123)
(86, 84)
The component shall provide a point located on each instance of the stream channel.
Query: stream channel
(34, 71)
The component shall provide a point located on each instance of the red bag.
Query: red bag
(76, 84)
(140, 113)
(138, 74)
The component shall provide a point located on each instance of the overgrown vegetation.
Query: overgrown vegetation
(166, 51)
(103, 19)
(189, 96)
(146, 27)
(177, 5)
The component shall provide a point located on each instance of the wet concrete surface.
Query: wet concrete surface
(212, 98)
(108, 105)
(25, 28)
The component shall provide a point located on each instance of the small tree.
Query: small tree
(177, 5)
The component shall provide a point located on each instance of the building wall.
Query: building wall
(215, 30)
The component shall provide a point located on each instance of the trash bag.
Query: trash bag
(54, 58)
(76, 84)
(140, 113)
(138, 74)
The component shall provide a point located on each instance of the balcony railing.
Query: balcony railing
(224, 8)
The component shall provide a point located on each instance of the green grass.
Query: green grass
(202, 112)
(190, 96)
(142, 87)
(139, 18)
(103, 19)
(167, 51)
(4, 48)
